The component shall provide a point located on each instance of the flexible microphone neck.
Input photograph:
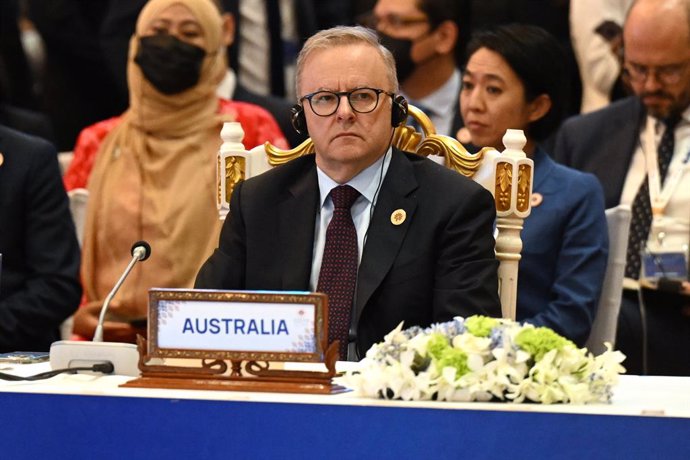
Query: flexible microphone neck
(140, 251)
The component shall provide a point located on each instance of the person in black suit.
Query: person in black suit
(615, 144)
(26, 121)
(39, 283)
(428, 39)
(424, 232)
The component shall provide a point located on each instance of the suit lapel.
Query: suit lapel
(296, 230)
(620, 141)
(543, 167)
(383, 238)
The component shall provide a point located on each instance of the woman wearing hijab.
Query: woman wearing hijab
(515, 79)
(151, 172)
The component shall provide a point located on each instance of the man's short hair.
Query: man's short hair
(458, 11)
(342, 36)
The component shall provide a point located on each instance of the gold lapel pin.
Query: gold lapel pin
(536, 199)
(398, 216)
(2, 159)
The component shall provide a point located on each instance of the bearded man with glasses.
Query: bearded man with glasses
(389, 236)
(639, 148)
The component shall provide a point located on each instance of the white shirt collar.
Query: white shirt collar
(444, 99)
(366, 182)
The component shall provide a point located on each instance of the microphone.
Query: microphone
(141, 251)
(123, 357)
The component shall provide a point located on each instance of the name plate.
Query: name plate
(665, 265)
(236, 325)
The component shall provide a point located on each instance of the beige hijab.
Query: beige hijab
(154, 178)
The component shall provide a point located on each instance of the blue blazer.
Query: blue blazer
(39, 286)
(565, 248)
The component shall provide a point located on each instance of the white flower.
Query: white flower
(474, 368)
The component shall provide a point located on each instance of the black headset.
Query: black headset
(398, 114)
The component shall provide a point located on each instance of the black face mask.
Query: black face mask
(400, 48)
(169, 64)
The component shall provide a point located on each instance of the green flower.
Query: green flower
(452, 357)
(437, 344)
(480, 326)
(445, 355)
(540, 340)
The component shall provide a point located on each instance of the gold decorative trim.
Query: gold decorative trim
(212, 374)
(219, 193)
(457, 157)
(320, 324)
(524, 187)
(504, 183)
(235, 172)
(277, 156)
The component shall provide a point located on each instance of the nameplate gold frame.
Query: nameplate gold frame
(179, 328)
(237, 325)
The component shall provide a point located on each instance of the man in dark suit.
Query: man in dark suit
(428, 39)
(39, 283)
(424, 248)
(619, 145)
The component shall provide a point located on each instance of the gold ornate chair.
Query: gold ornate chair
(507, 175)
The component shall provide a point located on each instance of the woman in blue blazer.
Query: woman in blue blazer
(515, 79)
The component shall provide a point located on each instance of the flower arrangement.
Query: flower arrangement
(484, 359)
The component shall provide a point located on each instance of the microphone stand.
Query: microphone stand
(137, 256)
(124, 357)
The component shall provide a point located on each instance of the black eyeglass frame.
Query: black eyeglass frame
(668, 74)
(339, 95)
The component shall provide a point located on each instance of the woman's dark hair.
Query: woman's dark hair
(538, 60)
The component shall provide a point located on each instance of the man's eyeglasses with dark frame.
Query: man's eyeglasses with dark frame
(389, 21)
(361, 100)
(669, 74)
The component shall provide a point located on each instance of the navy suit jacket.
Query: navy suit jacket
(603, 143)
(39, 286)
(565, 248)
(439, 263)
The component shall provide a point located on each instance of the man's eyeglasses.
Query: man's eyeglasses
(362, 100)
(389, 21)
(665, 74)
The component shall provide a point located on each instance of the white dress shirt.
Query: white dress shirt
(368, 184)
(675, 221)
(441, 105)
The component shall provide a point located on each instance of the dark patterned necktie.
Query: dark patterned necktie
(338, 275)
(642, 206)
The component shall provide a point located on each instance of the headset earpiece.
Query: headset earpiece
(398, 110)
(297, 118)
